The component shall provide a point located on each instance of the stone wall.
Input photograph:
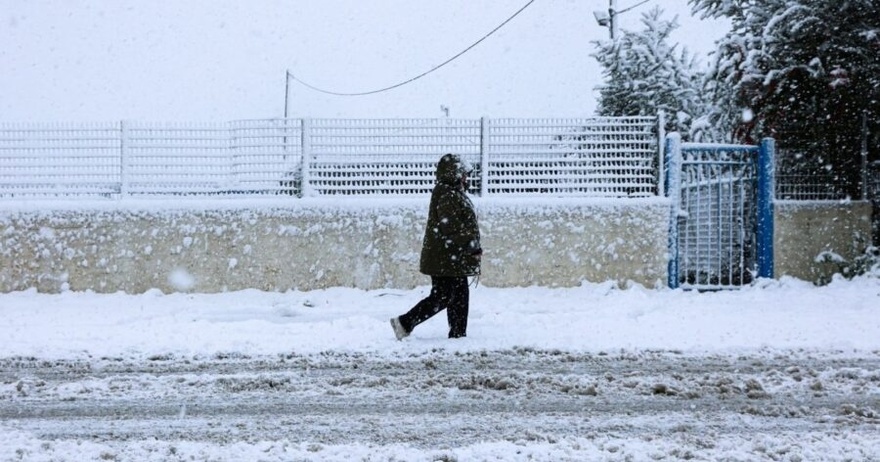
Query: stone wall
(216, 246)
(805, 229)
(369, 244)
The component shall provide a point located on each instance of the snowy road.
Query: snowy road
(767, 373)
(450, 399)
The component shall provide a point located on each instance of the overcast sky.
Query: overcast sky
(104, 60)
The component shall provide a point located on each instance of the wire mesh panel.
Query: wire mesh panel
(873, 179)
(605, 157)
(809, 188)
(615, 156)
(176, 158)
(801, 177)
(266, 156)
(384, 156)
(873, 186)
(59, 160)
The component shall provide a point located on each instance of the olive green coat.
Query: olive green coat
(451, 247)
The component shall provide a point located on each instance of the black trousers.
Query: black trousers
(451, 293)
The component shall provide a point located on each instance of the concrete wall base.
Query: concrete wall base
(313, 244)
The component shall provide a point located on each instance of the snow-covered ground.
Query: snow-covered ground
(781, 370)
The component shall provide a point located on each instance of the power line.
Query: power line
(632, 7)
(336, 93)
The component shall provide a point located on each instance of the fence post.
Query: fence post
(484, 156)
(864, 152)
(124, 159)
(232, 179)
(766, 195)
(306, 144)
(673, 192)
(661, 156)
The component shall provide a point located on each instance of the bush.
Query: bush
(867, 263)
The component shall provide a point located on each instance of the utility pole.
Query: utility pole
(612, 13)
(286, 91)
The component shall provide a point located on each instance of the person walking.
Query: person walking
(451, 251)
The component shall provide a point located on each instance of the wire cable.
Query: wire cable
(413, 79)
(616, 13)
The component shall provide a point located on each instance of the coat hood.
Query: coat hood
(451, 168)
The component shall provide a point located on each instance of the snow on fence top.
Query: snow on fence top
(595, 157)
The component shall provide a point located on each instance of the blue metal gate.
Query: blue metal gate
(721, 218)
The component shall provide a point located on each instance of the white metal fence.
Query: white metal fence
(606, 157)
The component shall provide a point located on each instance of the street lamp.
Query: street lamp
(606, 18)
(609, 19)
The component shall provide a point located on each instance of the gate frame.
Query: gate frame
(765, 187)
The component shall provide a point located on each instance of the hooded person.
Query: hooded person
(451, 251)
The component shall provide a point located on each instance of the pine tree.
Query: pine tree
(804, 71)
(645, 75)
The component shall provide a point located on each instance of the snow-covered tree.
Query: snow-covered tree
(803, 71)
(644, 75)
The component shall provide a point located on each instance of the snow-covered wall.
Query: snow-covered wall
(804, 230)
(309, 244)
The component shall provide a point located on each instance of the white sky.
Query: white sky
(100, 60)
